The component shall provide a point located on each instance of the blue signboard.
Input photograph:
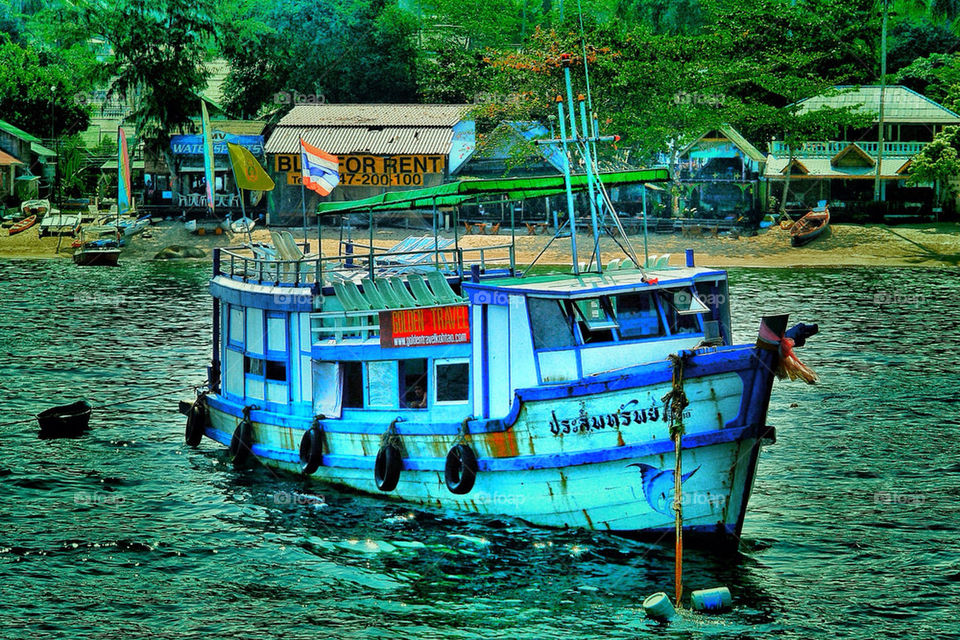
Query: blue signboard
(193, 145)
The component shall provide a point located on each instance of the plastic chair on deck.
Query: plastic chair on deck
(613, 264)
(372, 293)
(663, 261)
(651, 261)
(424, 296)
(627, 264)
(441, 289)
(401, 294)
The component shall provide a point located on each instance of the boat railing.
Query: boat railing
(259, 265)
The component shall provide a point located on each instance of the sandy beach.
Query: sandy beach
(921, 245)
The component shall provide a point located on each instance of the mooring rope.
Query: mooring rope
(121, 402)
(675, 401)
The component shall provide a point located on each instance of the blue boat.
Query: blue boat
(443, 376)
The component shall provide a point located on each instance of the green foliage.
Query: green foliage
(39, 89)
(938, 161)
(452, 75)
(910, 41)
(159, 49)
(357, 51)
(936, 76)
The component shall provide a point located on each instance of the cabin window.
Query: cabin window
(276, 333)
(255, 331)
(638, 316)
(352, 385)
(236, 325)
(253, 366)
(452, 381)
(551, 329)
(682, 309)
(276, 370)
(597, 319)
(381, 382)
(413, 383)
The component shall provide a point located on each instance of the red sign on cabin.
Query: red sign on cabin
(425, 327)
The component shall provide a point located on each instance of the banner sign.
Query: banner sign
(371, 171)
(425, 327)
(193, 145)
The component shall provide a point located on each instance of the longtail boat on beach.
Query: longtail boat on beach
(810, 227)
(23, 225)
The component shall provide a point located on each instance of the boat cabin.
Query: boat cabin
(430, 347)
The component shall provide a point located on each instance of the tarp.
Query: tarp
(512, 188)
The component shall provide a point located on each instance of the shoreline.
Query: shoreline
(929, 245)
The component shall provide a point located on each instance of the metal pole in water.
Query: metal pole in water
(566, 182)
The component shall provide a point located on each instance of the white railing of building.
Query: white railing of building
(833, 147)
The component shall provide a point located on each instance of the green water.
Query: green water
(125, 533)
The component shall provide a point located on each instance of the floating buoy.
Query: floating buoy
(658, 607)
(712, 600)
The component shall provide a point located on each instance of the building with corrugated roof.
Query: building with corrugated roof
(843, 171)
(22, 152)
(720, 173)
(380, 148)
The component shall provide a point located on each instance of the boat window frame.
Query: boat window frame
(440, 362)
(402, 387)
(231, 308)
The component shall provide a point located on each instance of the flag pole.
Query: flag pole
(303, 204)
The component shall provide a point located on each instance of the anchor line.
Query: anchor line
(195, 387)
(675, 402)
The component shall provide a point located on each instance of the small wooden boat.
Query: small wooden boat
(65, 421)
(23, 225)
(809, 227)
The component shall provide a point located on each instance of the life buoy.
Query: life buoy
(460, 470)
(311, 450)
(241, 444)
(386, 469)
(196, 422)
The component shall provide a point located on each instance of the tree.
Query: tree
(356, 51)
(159, 49)
(41, 92)
(938, 162)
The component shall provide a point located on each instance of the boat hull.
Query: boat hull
(589, 460)
(101, 257)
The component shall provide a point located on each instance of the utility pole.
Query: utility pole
(877, 190)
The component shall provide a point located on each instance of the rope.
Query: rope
(675, 402)
(116, 404)
(391, 438)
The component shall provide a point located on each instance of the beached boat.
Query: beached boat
(98, 246)
(37, 208)
(810, 227)
(23, 225)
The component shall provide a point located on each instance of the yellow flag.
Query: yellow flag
(247, 171)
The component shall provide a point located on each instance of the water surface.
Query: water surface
(852, 530)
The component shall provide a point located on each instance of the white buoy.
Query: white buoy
(712, 600)
(658, 607)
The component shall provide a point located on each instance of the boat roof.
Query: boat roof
(567, 285)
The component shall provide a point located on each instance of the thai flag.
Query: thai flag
(320, 170)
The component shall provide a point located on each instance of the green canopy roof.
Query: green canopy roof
(512, 188)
